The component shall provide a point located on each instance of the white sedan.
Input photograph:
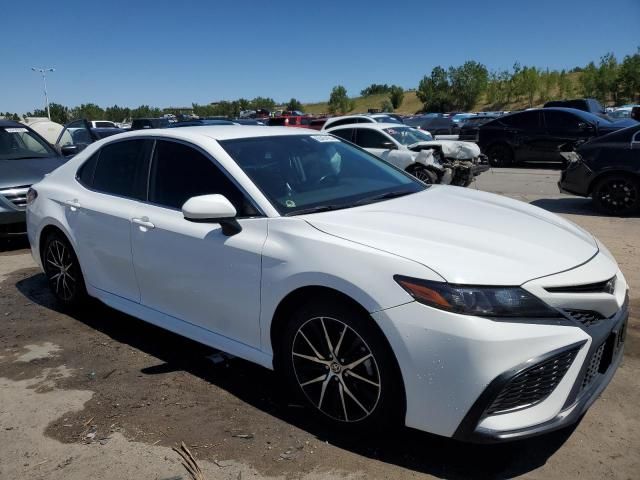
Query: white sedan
(415, 151)
(380, 299)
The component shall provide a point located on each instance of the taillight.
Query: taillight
(32, 194)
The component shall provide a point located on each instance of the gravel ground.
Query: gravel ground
(102, 395)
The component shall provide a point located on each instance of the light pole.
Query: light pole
(44, 71)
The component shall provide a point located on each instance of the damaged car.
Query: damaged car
(448, 162)
(607, 169)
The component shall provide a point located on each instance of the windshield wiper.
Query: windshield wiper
(319, 208)
(384, 196)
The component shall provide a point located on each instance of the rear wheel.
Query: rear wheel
(424, 174)
(62, 270)
(341, 366)
(500, 155)
(617, 194)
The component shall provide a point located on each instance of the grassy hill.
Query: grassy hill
(411, 104)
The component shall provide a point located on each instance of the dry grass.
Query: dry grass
(411, 104)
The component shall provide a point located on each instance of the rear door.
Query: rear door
(99, 214)
(525, 133)
(562, 128)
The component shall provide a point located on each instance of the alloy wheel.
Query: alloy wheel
(618, 195)
(336, 369)
(424, 175)
(59, 267)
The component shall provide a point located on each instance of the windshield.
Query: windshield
(387, 119)
(306, 173)
(408, 135)
(19, 142)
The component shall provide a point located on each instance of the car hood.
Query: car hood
(26, 171)
(466, 236)
(617, 125)
(451, 148)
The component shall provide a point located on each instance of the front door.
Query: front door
(193, 271)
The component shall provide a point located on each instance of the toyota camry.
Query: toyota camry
(382, 300)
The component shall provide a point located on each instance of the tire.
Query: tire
(356, 391)
(63, 272)
(424, 174)
(617, 194)
(500, 155)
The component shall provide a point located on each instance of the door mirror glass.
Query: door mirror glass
(585, 127)
(389, 145)
(208, 208)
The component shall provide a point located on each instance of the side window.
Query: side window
(86, 171)
(523, 120)
(344, 121)
(561, 121)
(346, 133)
(179, 172)
(368, 138)
(121, 168)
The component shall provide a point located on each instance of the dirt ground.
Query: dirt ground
(102, 395)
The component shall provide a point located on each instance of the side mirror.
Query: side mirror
(69, 150)
(389, 146)
(212, 209)
(586, 127)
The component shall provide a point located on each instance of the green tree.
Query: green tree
(529, 83)
(339, 101)
(386, 105)
(295, 105)
(630, 77)
(589, 80)
(375, 89)
(565, 87)
(10, 116)
(88, 111)
(117, 114)
(263, 102)
(468, 82)
(607, 79)
(434, 91)
(145, 111)
(548, 81)
(396, 95)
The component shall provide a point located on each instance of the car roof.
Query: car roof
(219, 132)
(372, 126)
(10, 123)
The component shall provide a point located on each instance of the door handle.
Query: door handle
(72, 204)
(143, 222)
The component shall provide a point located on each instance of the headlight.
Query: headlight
(476, 300)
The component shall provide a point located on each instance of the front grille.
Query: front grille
(16, 195)
(533, 385)
(585, 317)
(607, 286)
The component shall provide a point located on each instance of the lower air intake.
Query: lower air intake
(534, 384)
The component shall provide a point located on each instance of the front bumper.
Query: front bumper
(453, 366)
(606, 351)
(12, 220)
(576, 179)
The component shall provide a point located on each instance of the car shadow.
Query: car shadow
(574, 206)
(263, 389)
(11, 244)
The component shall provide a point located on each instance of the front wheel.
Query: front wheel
(341, 367)
(617, 194)
(424, 174)
(500, 155)
(62, 270)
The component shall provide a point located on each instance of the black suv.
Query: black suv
(539, 135)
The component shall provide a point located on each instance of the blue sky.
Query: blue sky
(177, 52)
